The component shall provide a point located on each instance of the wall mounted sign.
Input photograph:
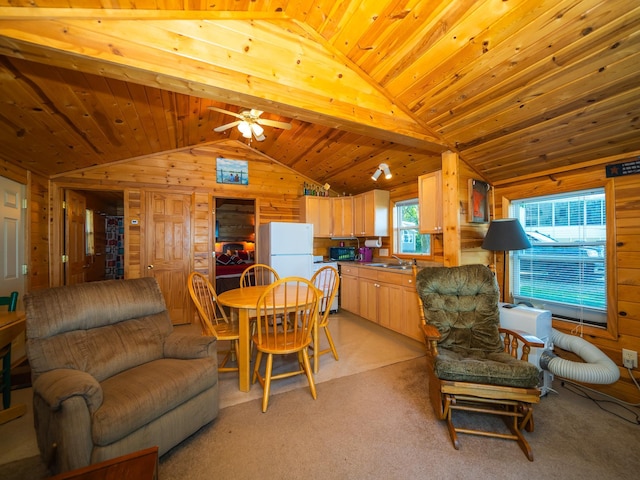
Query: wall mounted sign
(626, 168)
(478, 201)
(232, 171)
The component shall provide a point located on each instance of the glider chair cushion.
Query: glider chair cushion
(463, 306)
(470, 365)
(109, 374)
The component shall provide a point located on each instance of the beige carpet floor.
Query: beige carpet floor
(379, 425)
(374, 421)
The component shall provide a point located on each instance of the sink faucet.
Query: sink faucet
(400, 261)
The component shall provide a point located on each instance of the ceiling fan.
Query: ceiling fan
(249, 123)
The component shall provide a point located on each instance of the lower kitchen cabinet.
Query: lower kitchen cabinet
(349, 289)
(410, 310)
(386, 298)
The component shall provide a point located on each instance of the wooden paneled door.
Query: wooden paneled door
(74, 237)
(168, 249)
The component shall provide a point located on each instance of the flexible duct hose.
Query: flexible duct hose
(598, 368)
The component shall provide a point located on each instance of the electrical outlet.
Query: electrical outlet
(629, 358)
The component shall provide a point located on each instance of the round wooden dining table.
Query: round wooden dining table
(245, 300)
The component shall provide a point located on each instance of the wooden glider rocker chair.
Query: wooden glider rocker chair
(472, 362)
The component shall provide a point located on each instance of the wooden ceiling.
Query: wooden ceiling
(516, 87)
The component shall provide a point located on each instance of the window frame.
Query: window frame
(611, 330)
(396, 232)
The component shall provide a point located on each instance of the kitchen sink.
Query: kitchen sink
(391, 266)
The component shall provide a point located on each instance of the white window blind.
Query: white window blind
(565, 269)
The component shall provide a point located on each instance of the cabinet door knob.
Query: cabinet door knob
(149, 267)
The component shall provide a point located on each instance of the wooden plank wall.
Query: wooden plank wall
(37, 254)
(623, 281)
(275, 187)
(471, 234)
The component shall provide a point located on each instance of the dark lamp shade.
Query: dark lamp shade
(505, 234)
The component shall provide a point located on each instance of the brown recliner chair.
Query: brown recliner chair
(471, 360)
(110, 376)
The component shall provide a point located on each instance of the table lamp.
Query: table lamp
(505, 234)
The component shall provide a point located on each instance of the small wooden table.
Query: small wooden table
(11, 325)
(245, 300)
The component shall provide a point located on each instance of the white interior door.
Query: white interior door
(12, 242)
(12, 238)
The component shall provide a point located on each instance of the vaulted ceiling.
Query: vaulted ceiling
(516, 87)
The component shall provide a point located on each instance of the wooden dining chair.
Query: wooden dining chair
(258, 274)
(327, 280)
(294, 298)
(213, 319)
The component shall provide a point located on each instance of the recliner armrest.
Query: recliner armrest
(185, 346)
(56, 386)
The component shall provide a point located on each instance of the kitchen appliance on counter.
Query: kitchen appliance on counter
(365, 254)
(342, 254)
(287, 248)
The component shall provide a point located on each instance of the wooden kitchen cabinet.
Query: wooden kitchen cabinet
(410, 310)
(368, 290)
(342, 217)
(386, 298)
(349, 289)
(317, 211)
(371, 214)
(430, 198)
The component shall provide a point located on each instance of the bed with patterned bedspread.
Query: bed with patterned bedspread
(229, 267)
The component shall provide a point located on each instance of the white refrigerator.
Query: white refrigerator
(287, 248)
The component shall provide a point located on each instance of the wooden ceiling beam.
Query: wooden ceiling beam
(225, 61)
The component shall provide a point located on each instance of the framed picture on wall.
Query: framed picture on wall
(478, 201)
(232, 171)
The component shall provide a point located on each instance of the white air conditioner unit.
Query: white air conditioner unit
(534, 322)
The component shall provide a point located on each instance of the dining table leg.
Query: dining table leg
(244, 353)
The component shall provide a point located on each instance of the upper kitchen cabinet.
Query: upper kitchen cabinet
(342, 217)
(317, 210)
(371, 214)
(430, 197)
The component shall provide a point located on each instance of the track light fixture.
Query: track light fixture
(382, 168)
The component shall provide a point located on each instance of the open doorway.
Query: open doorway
(93, 240)
(235, 240)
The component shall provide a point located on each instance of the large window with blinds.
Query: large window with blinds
(565, 269)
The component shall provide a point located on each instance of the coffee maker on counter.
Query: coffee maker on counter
(365, 254)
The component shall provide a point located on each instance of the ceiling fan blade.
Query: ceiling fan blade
(274, 123)
(226, 126)
(226, 112)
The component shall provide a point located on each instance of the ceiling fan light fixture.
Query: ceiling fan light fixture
(245, 129)
(257, 130)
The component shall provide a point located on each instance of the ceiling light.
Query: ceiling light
(257, 129)
(245, 129)
(383, 167)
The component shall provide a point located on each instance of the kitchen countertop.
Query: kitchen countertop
(389, 266)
